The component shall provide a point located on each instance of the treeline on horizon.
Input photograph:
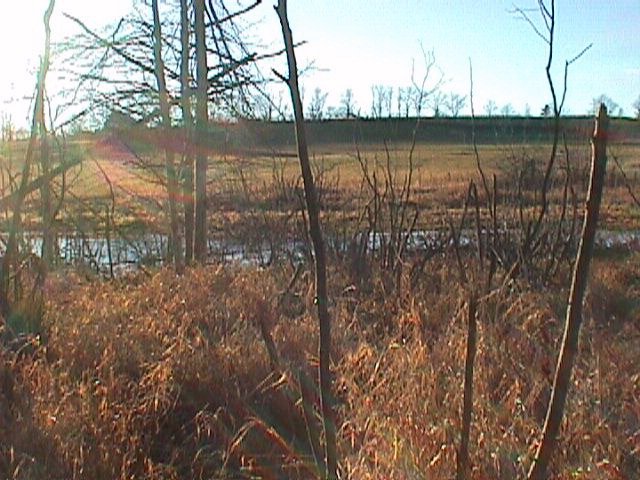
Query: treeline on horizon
(253, 135)
(457, 130)
(247, 135)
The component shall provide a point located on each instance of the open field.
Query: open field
(263, 176)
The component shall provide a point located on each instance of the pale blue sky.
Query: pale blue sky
(358, 43)
(363, 42)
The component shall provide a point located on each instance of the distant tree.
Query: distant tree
(527, 110)
(316, 107)
(490, 108)
(454, 103)
(332, 112)
(546, 111)
(612, 107)
(404, 101)
(269, 106)
(347, 103)
(437, 102)
(399, 101)
(381, 101)
(376, 101)
(388, 100)
(636, 107)
(507, 110)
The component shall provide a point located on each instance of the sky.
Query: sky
(356, 44)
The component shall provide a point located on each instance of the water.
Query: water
(151, 249)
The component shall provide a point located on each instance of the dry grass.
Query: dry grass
(441, 173)
(440, 178)
(168, 377)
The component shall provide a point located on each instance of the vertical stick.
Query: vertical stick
(315, 232)
(202, 125)
(462, 471)
(187, 120)
(108, 238)
(574, 309)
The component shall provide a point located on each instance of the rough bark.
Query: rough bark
(175, 244)
(315, 232)
(202, 120)
(569, 346)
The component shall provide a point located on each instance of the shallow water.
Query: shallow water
(151, 249)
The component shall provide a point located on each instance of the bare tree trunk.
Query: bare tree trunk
(45, 189)
(574, 310)
(462, 471)
(11, 252)
(175, 250)
(315, 232)
(202, 123)
(187, 119)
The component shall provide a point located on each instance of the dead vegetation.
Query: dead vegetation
(169, 377)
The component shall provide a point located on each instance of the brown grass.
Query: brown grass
(168, 377)
(440, 179)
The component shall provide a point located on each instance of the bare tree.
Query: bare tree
(387, 100)
(269, 106)
(437, 103)
(45, 167)
(636, 107)
(400, 102)
(546, 111)
(547, 12)
(381, 101)
(490, 108)
(10, 257)
(175, 244)
(427, 85)
(462, 460)
(348, 104)
(612, 107)
(377, 101)
(188, 165)
(315, 232)
(569, 347)
(454, 103)
(202, 124)
(115, 70)
(316, 107)
(507, 110)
